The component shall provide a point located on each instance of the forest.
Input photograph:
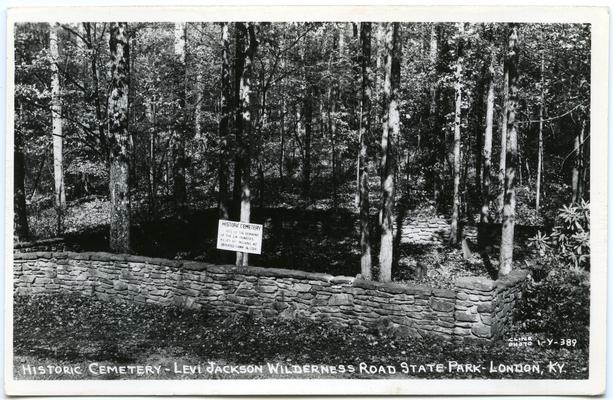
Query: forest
(138, 137)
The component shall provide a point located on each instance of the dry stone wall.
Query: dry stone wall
(433, 230)
(477, 309)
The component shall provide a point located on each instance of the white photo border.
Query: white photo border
(598, 17)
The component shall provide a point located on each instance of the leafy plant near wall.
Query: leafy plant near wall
(568, 245)
(557, 302)
(571, 236)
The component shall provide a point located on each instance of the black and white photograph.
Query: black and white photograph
(376, 197)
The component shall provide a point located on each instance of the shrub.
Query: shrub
(571, 235)
(557, 302)
(557, 306)
(569, 242)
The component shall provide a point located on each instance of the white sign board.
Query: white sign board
(239, 236)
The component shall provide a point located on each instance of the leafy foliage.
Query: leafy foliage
(558, 302)
(569, 242)
(558, 306)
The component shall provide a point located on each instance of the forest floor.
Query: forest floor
(314, 240)
(71, 330)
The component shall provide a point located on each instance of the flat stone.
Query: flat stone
(341, 279)
(440, 305)
(485, 308)
(482, 331)
(474, 282)
(82, 256)
(465, 317)
(486, 319)
(450, 294)
(27, 278)
(461, 331)
(301, 287)
(340, 299)
(193, 266)
(100, 256)
(26, 256)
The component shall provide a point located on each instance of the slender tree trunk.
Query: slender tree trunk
(22, 231)
(454, 234)
(308, 125)
(434, 120)
(239, 65)
(577, 166)
(332, 99)
(223, 206)
(377, 84)
(332, 123)
(365, 248)
(520, 164)
(56, 122)
(487, 144)
(282, 122)
(282, 157)
(539, 164)
(180, 164)
(21, 216)
(244, 116)
(150, 107)
(91, 33)
(503, 136)
(433, 61)
(508, 221)
(119, 139)
(581, 163)
(308, 117)
(198, 108)
(391, 127)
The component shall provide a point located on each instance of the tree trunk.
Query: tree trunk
(90, 32)
(577, 166)
(332, 100)
(226, 95)
(503, 136)
(239, 65)
(308, 117)
(508, 219)
(365, 248)
(539, 164)
(389, 138)
(22, 232)
(56, 132)
(433, 61)
(119, 139)
(454, 234)
(487, 144)
(282, 156)
(308, 125)
(282, 121)
(180, 164)
(150, 107)
(377, 84)
(244, 121)
(332, 123)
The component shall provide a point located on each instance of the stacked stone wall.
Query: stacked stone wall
(434, 230)
(477, 308)
(53, 244)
